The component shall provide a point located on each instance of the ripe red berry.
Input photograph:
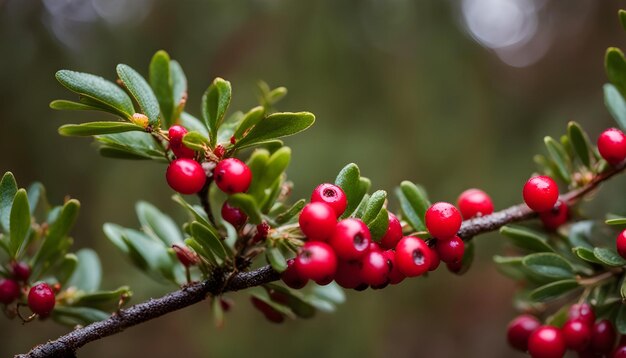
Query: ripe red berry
(349, 274)
(176, 134)
(9, 291)
(395, 275)
(577, 335)
(235, 216)
(219, 151)
(21, 271)
(375, 268)
(268, 311)
(555, 217)
(292, 278)
(316, 261)
(331, 195)
(546, 342)
(581, 312)
(232, 176)
(413, 256)
(621, 244)
(455, 267)
(262, 230)
(41, 299)
(351, 239)
(603, 336)
(185, 176)
(520, 329)
(317, 221)
(612, 145)
(541, 193)
(619, 352)
(393, 233)
(443, 220)
(474, 202)
(450, 250)
(435, 261)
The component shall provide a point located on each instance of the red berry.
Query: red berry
(349, 274)
(375, 268)
(621, 244)
(235, 216)
(434, 263)
(262, 230)
(450, 250)
(520, 329)
(351, 239)
(393, 234)
(292, 278)
(555, 217)
(41, 299)
(21, 271)
(546, 342)
(577, 335)
(395, 276)
(185, 176)
(331, 195)
(413, 256)
(443, 220)
(581, 312)
(474, 202)
(317, 221)
(176, 134)
(186, 256)
(268, 311)
(619, 352)
(612, 145)
(455, 267)
(541, 193)
(603, 336)
(9, 291)
(219, 151)
(232, 176)
(316, 261)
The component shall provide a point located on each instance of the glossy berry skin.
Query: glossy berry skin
(232, 176)
(582, 312)
(473, 203)
(348, 274)
(232, 215)
(176, 134)
(316, 261)
(268, 311)
(9, 291)
(292, 278)
(413, 256)
(577, 335)
(395, 276)
(541, 193)
(620, 242)
(450, 250)
(443, 220)
(435, 260)
(331, 195)
(546, 342)
(612, 146)
(393, 233)
(520, 329)
(603, 336)
(351, 239)
(21, 271)
(185, 176)
(41, 299)
(317, 221)
(375, 268)
(619, 352)
(555, 217)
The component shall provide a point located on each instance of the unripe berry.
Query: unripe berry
(520, 329)
(621, 244)
(555, 217)
(21, 271)
(176, 134)
(9, 291)
(375, 268)
(603, 336)
(581, 312)
(185, 176)
(395, 275)
(450, 250)
(317, 221)
(140, 119)
(41, 299)
(393, 233)
(612, 146)
(186, 256)
(268, 311)
(351, 239)
(349, 274)
(474, 202)
(316, 261)
(331, 195)
(232, 176)
(443, 220)
(292, 278)
(577, 335)
(546, 342)
(413, 256)
(541, 193)
(232, 215)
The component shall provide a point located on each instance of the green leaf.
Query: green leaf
(615, 104)
(579, 234)
(275, 126)
(215, 102)
(348, 181)
(179, 89)
(276, 259)
(157, 224)
(135, 144)
(620, 320)
(615, 66)
(511, 266)
(197, 213)
(66, 268)
(196, 141)
(292, 299)
(553, 290)
(622, 18)
(209, 239)
(103, 300)
(98, 89)
(141, 91)
(559, 318)
(162, 86)
(609, 257)
(20, 222)
(586, 254)
(218, 312)
(378, 226)
(199, 249)
(249, 120)
(275, 167)
(414, 203)
(88, 273)
(72, 316)
(36, 195)
(57, 237)
(526, 238)
(249, 206)
(63, 105)
(291, 212)
(616, 221)
(96, 128)
(549, 265)
(559, 157)
(193, 124)
(331, 293)
(580, 142)
(622, 289)
(8, 189)
(374, 205)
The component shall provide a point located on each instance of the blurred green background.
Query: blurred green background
(449, 94)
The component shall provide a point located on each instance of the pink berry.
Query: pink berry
(395, 275)
(349, 274)
(176, 134)
(317, 221)
(555, 217)
(577, 335)
(520, 329)
(443, 220)
(21, 271)
(581, 312)
(621, 244)
(185, 176)
(232, 215)
(41, 299)
(351, 239)
(375, 268)
(9, 291)
(292, 278)
(541, 193)
(612, 146)
(232, 176)
(316, 261)
(474, 202)
(413, 256)
(603, 336)
(450, 250)
(331, 195)
(393, 233)
(546, 342)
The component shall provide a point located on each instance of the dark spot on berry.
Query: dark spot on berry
(359, 242)
(329, 193)
(418, 257)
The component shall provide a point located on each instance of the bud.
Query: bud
(186, 256)
(219, 151)
(140, 119)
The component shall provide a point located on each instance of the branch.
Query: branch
(66, 346)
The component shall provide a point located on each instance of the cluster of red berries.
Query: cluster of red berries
(41, 298)
(581, 333)
(541, 194)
